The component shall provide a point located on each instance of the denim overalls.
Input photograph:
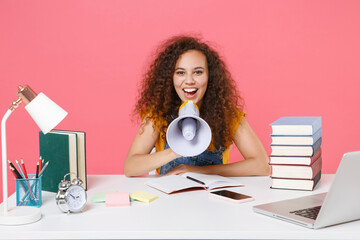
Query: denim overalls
(206, 158)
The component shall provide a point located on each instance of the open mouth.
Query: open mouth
(190, 92)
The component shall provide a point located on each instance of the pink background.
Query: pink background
(288, 58)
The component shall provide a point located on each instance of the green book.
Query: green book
(81, 154)
(65, 152)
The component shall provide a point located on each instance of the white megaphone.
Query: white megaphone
(188, 135)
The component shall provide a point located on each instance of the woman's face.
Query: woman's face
(191, 76)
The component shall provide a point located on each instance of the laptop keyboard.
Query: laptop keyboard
(308, 212)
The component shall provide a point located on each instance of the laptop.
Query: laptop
(339, 205)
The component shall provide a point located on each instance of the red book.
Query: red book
(296, 184)
(297, 171)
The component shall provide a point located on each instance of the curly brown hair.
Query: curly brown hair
(159, 100)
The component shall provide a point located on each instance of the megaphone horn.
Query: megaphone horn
(188, 135)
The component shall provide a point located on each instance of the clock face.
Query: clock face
(75, 198)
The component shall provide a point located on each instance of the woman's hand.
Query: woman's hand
(183, 168)
(139, 161)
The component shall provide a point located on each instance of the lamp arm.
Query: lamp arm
(4, 160)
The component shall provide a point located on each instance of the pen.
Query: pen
(37, 170)
(195, 180)
(24, 169)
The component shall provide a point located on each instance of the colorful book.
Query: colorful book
(297, 171)
(295, 150)
(296, 139)
(295, 160)
(296, 184)
(65, 152)
(296, 126)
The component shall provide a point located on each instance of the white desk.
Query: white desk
(187, 215)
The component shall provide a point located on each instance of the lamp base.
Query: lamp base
(20, 215)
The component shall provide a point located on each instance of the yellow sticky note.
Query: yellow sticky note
(143, 196)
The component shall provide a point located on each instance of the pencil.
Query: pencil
(16, 173)
(12, 170)
(15, 170)
(43, 169)
(40, 163)
(24, 169)
(37, 170)
(11, 164)
(21, 171)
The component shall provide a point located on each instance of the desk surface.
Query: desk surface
(186, 215)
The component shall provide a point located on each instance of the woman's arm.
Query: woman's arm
(139, 161)
(255, 157)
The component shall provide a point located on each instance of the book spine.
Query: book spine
(317, 135)
(316, 179)
(316, 125)
(317, 145)
(316, 166)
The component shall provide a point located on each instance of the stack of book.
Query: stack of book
(296, 153)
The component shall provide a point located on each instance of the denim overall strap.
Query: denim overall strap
(206, 158)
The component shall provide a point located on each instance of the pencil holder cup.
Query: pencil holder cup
(28, 191)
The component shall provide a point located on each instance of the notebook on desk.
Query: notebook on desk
(339, 205)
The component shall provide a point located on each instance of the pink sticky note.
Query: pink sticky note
(117, 199)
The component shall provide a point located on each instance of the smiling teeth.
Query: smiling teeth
(190, 90)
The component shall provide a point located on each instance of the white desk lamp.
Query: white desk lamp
(47, 115)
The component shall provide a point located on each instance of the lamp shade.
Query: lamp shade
(45, 112)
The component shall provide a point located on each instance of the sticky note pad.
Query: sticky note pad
(143, 196)
(99, 197)
(117, 199)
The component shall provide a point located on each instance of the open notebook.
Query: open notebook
(174, 183)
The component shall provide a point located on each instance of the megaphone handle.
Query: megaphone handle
(189, 128)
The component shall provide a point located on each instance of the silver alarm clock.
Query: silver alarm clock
(71, 196)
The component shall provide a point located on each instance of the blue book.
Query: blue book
(296, 139)
(292, 150)
(296, 125)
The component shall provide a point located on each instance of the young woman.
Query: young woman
(188, 69)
